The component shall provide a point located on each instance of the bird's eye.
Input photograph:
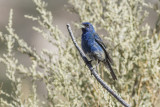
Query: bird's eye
(87, 25)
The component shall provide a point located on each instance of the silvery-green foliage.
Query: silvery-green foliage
(135, 49)
(68, 82)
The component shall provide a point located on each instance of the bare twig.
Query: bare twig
(158, 25)
(93, 71)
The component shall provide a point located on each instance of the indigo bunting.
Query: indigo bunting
(94, 47)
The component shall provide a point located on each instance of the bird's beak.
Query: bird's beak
(82, 26)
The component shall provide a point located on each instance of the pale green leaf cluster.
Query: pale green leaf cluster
(135, 46)
(68, 82)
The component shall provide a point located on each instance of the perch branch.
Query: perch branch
(93, 71)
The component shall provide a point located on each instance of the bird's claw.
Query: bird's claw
(91, 71)
(88, 62)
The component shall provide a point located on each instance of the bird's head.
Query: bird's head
(87, 27)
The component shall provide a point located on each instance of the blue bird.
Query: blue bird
(94, 47)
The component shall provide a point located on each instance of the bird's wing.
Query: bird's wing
(100, 42)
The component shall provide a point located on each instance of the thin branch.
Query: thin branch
(158, 24)
(94, 72)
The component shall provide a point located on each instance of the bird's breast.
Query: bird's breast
(87, 43)
(91, 48)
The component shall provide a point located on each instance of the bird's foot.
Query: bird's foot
(91, 71)
(96, 66)
(88, 62)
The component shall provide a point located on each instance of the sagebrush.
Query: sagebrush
(133, 45)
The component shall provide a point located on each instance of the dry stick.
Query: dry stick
(94, 72)
(158, 24)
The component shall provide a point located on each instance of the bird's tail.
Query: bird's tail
(108, 66)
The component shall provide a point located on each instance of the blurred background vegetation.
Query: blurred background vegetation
(42, 67)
